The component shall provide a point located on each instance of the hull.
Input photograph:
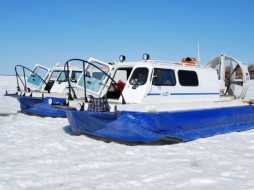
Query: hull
(161, 127)
(40, 107)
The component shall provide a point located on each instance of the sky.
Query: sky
(49, 31)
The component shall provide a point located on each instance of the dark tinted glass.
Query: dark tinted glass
(164, 77)
(188, 78)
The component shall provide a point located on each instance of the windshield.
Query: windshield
(34, 78)
(139, 76)
(94, 77)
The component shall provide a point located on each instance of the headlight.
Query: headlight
(79, 107)
(122, 58)
(146, 56)
(50, 101)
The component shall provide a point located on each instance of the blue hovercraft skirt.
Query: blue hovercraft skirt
(161, 127)
(40, 107)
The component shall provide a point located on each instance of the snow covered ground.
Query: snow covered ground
(40, 153)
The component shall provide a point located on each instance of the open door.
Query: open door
(34, 80)
(93, 79)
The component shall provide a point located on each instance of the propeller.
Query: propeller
(228, 82)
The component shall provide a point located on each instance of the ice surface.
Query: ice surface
(40, 153)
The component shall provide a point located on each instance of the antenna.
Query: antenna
(198, 55)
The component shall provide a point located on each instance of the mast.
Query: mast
(199, 60)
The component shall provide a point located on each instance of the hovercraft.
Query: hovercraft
(162, 102)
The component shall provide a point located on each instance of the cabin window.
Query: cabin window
(120, 78)
(122, 74)
(62, 76)
(53, 77)
(42, 72)
(75, 76)
(36, 79)
(188, 78)
(94, 77)
(139, 76)
(96, 71)
(164, 77)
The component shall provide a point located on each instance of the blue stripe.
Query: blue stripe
(184, 94)
(154, 94)
(206, 93)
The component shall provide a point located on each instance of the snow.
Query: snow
(40, 153)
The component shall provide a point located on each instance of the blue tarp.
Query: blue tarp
(146, 127)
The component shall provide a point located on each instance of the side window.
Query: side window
(139, 76)
(120, 78)
(188, 78)
(62, 76)
(54, 75)
(164, 77)
(75, 76)
(120, 75)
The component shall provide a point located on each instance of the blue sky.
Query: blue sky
(47, 31)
